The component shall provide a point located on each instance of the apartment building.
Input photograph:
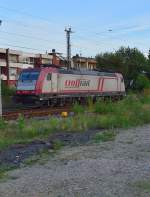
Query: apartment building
(84, 62)
(58, 59)
(13, 61)
(42, 59)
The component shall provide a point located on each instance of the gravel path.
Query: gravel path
(112, 169)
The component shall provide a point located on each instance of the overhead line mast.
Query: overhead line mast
(68, 32)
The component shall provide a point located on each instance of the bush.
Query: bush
(104, 107)
(21, 122)
(105, 136)
(78, 108)
(2, 123)
(7, 91)
(142, 82)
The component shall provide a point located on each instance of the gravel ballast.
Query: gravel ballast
(120, 168)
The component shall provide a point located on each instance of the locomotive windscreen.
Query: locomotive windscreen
(29, 75)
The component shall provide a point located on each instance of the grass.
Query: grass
(78, 108)
(105, 136)
(57, 144)
(132, 111)
(4, 172)
(143, 185)
(40, 158)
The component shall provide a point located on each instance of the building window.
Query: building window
(46, 61)
(31, 60)
(13, 58)
(26, 60)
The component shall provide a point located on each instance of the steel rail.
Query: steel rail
(29, 113)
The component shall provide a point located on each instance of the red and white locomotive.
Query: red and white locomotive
(50, 84)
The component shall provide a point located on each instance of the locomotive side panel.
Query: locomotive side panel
(77, 83)
(110, 85)
(54, 82)
(49, 84)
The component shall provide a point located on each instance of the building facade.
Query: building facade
(13, 61)
(84, 62)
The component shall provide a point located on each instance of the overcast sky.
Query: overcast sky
(38, 25)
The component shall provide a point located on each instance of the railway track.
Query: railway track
(34, 112)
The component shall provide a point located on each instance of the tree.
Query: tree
(148, 63)
(128, 61)
(142, 82)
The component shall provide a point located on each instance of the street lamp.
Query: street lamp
(0, 86)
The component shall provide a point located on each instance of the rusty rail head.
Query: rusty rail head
(13, 115)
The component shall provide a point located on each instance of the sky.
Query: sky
(38, 25)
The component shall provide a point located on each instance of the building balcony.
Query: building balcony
(16, 65)
(2, 63)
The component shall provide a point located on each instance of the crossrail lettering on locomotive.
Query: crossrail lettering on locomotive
(77, 83)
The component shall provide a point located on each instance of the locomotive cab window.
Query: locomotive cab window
(29, 76)
(49, 76)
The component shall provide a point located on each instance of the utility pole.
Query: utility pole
(68, 32)
(0, 86)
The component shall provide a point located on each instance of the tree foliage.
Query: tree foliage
(128, 61)
(142, 82)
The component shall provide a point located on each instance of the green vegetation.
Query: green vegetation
(41, 158)
(57, 144)
(2, 173)
(4, 170)
(7, 91)
(7, 95)
(142, 82)
(132, 111)
(105, 136)
(130, 62)
(143, 185)
(78, 108)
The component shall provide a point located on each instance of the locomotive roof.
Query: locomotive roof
(64, 70)
(31, 69)
(85, 72)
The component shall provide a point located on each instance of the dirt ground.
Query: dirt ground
(120, 168)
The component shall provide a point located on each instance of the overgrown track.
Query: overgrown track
(34, 112)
